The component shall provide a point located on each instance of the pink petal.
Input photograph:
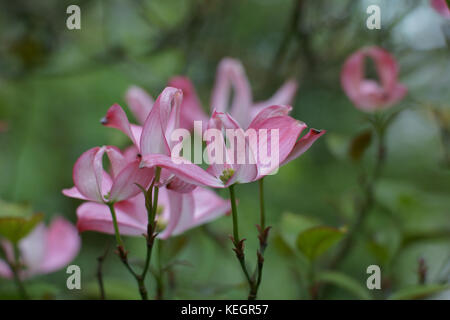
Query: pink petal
(117, 160)
(283, 96)
(441, 7)
(97, 217)
(62, 244)
(288, 130)
(7, 249)
(352, 75)
(32, 250)
(74, 193)
(131, 153)
(163, 118)
(208, 206)
(269, 112)
(117, 118)
(136, 131)
(243, 172)
(397, 94)
(303, 144)
(193, 209)
(386, 65)
(368, 94)
(231, 73)
(88, 174)
(124, 185)
(191, 108)
(135, 208)
(184, 169)
(5, 271)
(139, 102)
(215, 143)
(179, 185)
(181, 210)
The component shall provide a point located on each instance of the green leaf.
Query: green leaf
(16, 228)
(380, 251)
(14, 209)
(281, 245)
(17, 220)
(115, 289)
(418, 291)
(345, 282)
(317, 240)
(291, 224)
(359, 144)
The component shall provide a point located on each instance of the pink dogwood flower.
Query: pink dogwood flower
(367, 94)
(153, 142)
(230, 74)
(230, 171)
(44, 250)
(93, 183)
(154, 136)
(442, 7)
(177, 212)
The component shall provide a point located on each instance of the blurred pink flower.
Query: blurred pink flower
(177, 212)
(44, 250)
(367, 94)
(230, 172)
(139, 102)
(93, 183)
(230, 74)
(441, 6)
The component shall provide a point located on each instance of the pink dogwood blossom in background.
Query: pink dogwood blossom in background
(442, 7)
(230, 74)
(44, 250)
(93, 183)
(368, 94)
(139, 102)
(177, 212)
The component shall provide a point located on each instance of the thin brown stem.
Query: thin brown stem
(238, 243)
(100, 261)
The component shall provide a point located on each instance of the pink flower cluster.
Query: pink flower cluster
(185, 201)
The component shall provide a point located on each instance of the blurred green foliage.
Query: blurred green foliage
(55, 85)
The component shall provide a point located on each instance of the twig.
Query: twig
(100, 260)
(151, 206)
(290, 31)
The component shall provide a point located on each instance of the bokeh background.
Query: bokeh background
(55, 85)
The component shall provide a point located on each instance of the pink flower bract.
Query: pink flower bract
(367, 94)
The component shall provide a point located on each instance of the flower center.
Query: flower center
(226, 175)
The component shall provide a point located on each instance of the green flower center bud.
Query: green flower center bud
(226, 175)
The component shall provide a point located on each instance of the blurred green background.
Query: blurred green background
(55, 85)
